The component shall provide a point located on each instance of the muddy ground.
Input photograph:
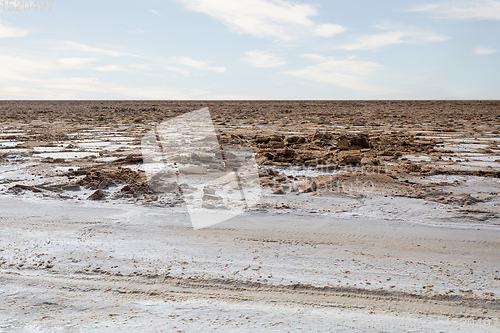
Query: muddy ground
(441, 151)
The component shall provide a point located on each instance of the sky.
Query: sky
(250, 49)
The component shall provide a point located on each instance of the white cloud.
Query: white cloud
(109, 68)
(155, 12)
(462, 9)
(134, 68)
(313, 56)
(25, 78)
(263, 59)
(18, 68)
(75, 62)
(399, 36)
(484, 50)
(140, 66)
(350, 74)
(373, 42)
(328, 30)
(202, 65)
(8, 31)
(181, 71)
(264, 18)
(96, 50)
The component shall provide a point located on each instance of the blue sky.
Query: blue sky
(251, 49)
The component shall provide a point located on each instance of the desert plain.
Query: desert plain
(373, 216)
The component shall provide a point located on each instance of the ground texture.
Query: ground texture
(375, 216)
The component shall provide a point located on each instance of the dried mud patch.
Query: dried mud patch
(134, 183)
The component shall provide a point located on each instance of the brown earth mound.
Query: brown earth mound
(135, 181)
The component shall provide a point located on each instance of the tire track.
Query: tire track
(167, 287)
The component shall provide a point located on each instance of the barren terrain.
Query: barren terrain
(375, 216)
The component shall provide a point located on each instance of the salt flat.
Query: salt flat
(369, 221)
(125, 260)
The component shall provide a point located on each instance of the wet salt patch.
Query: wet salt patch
(471, 166)
(13, 130)
(298, 172)
(15, 151)
(461, 147)
(420, 131)
(467, 140)
(476, 157)
(81, 133)
(107, 159)
(435, 137)
(93, 130)
(483, 164)
(10, 143)
(96, 144)
(67, 155)
(18, 159)
(115, 147)
(470, 155)
(7, 133)
(443, 178)
(475, 146)
(417, 158)
(119, 138)
(82, 140)
(5, 168)
(16, 175)
(279, 132)
(47, 149)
